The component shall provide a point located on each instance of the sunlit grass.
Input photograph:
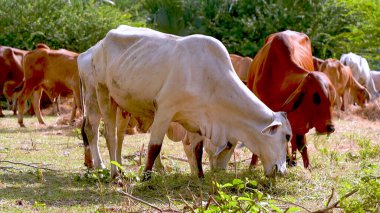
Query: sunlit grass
(335, 159)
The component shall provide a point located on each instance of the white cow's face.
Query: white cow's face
(273, 152)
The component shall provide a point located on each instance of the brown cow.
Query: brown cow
(53, 70)
(241, 66)
(10, 69)
(344, 83)
(317, 63)
(281, 76)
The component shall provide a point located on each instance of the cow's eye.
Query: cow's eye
(316, 98)
(287, 137)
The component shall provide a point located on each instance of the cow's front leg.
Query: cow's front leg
(302, 148)
(292, 159)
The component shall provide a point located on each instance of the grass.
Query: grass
(338, 161)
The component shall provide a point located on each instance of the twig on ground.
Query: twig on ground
(188, 206)
(27, 164)
(235, 163)
(331, 196)
(139, 200)
(294, 204)
(335, 205)
(216, 202)
(208, 202)
(179, 159)
(240, 161)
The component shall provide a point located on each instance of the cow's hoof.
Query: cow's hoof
(147, 176)
(291, 163)
(22, 125)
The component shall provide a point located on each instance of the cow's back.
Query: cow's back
(124, 58)
(279, 67)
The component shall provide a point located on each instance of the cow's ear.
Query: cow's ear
(293, 102)
(272, 128)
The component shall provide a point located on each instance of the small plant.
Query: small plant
(248, 198)
(367, 191)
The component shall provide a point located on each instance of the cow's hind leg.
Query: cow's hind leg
(122, 120)
(24, 95)
(108, 108)
(36, 100)
(193, 146)
(158, 130)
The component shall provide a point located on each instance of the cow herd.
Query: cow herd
(192, 90)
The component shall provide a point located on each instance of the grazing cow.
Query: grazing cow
(54, 71)
(361, 72)
(281, 76)
(376, 79)
(317, 63)
(344, 83)
(10, 70)
(241, 66)
(160, 78)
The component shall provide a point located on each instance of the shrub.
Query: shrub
(75, 25)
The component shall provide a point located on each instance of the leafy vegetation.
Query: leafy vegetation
(76, 26)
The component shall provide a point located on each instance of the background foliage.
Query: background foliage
(335, 26)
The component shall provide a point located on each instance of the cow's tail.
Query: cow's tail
(19, 87)
(81, 102)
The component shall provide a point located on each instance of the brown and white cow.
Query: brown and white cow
(344, 83)
(160, 78)
(54, 71)
(281, 75)
(241, 66)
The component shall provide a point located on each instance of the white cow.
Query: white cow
(160, 78)
(361, 72)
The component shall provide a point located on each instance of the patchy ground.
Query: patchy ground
(41, 169)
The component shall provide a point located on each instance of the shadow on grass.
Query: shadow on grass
(58, 189)
(65, 130)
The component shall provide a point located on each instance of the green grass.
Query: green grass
(339, 162)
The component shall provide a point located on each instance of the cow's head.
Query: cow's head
(273, 152)
(311, 105)
(361, 96)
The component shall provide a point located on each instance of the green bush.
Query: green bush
(334, 26)
(75, 25)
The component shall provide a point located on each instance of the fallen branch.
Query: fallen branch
(187, 205)
(335, 205)
(26, 164)
(331, 196)
(240, 161)
(139, 200)
(294, 204)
